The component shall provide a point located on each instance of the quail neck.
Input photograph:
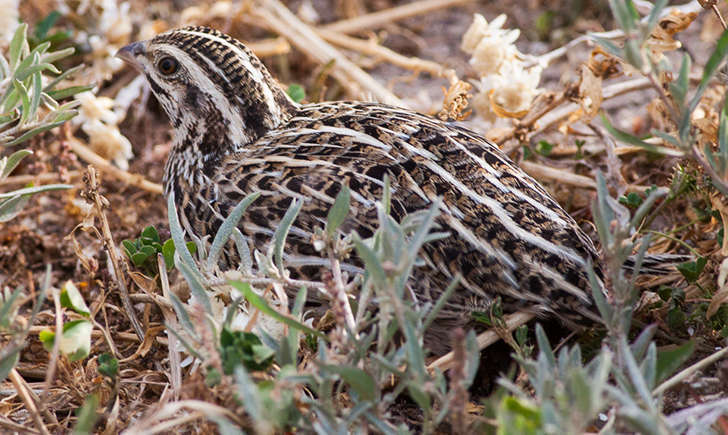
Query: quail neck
(237, 132)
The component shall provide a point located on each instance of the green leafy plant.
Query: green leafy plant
(296, 92)
(238, 347)
(143, 251)
(569, 395)
(42, 31)
(10, 303)
(544, 147)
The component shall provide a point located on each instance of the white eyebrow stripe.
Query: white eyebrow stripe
(237, 125)
(244, 59)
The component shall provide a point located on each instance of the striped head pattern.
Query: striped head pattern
(216, 92)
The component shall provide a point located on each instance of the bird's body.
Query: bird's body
(237, 133)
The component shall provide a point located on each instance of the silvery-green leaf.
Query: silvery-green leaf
(337, 213)
(24, 100)
(371, 262)
(679, 87)
(441, 301)
(241, 244)
(4, 68)
(60, 94)
(35, 69)
(175, 229)
(226, 228)
(9, 208)
(12, 162)
(35, 189)
(56, 55)
(194, 280)
(8, 363)
(18, 45)
(279, 238)
(27, 135)
(64, 75)
(37, 88)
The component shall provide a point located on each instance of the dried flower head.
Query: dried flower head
(109, 28)
(481, 29)
(494, 48)
(100, 123)
(508, 94)
(506, 86)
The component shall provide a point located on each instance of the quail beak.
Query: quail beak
(129, 54)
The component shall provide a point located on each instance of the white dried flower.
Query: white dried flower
(100, 123)
(506, 88)
(517, 87)
(9, 20)
(493, 51)
(115, 22)
(508, 93)
(481, 29)
(481, 104)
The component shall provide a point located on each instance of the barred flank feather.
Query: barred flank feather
(237, 132)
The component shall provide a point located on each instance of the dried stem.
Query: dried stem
(614, 165)
(111, 250)
(674, 380)
(341, 301)
(26, 396)
(14, 427)
(40, 178)
(357, 81)
(556, 114)
(381, 18)
(512, 322)
(269, 47)
(372, 48)
(540, 171)
(86, 154)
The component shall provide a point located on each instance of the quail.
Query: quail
(238, 132)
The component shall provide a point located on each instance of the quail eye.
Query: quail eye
(167, 65)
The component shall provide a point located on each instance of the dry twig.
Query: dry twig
(386, 16)
(371, 48)
(357, 81)
(100, 203)
(512, 322)
(29, 399)
(86, 154)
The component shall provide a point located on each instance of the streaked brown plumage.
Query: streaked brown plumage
(237, 132)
